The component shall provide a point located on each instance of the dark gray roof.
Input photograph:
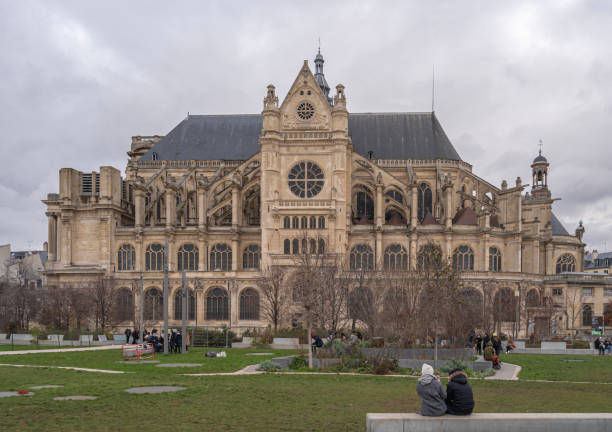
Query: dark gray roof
(557, 226)
(235, 137)
(540, 158)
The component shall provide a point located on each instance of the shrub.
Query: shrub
(484, 373)
(454, 364)
(269, 366)
(298, 363)
(384, 365)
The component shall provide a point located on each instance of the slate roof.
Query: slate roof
(235, 137)
(557, 226)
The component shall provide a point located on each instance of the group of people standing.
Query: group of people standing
(156, 340)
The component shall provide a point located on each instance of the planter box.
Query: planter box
(247, 340)
(476, 366)
(519, 344)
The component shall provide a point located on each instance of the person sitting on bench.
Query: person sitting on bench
(459, 396)
(432, 393)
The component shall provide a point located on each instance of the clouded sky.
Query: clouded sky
(78, 79)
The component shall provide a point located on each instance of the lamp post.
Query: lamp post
(516, 323)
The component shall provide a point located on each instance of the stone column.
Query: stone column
(550, 265)
(202, 253)
(66, 241)
(139, 255)
(139, 205)
(485, 252)
(379, 252)
(380, 213)
(202, 208)
(170, 207)
(413, 207)
(413, 250)
(235, 207)
(448, 206)
(331, 245)
(235, 254)
(52, 236)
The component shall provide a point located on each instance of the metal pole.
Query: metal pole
(165, 296)
(141, 314)
(184, 314)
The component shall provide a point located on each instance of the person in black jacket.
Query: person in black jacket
(459, 396)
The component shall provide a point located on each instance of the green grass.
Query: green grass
(270, 402)
(35, 347)
(557, 368)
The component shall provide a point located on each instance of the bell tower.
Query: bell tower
(539, 170)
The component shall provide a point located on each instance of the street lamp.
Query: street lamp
(516, 323)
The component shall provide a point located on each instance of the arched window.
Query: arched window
(313, 222)
(126, 257)
(395, 196)
(249, 304)
(251, 257)
(178, 305)
(463, 258)
(217, 304)
(295, 222)
(313, 246)
(154, 257)
(287, 247)
(362, 258)
(587, 315)
(124, 305)
(424, 201)
(396, 258)
(304, 246)
(495, 263)
(220, 257)
(153, 305)
(188, 257)
(321, 222)
(296, 246)
(304, 224)
(429, 255)
(364, 205)
(321, 246)
(286, 222)
(566, 263)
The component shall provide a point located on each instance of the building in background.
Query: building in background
(233, 194)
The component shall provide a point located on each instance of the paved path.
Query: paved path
(60, 350)
(68, 368)
(508, 372)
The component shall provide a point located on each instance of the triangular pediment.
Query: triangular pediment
(305, 107)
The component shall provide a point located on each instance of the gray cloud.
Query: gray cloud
(80, 78)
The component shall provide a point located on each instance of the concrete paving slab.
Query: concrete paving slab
(49, 386)
(179, 365)
(259, 354)
(154, 389)
(9, 394)
(139, 361)
(76, 397)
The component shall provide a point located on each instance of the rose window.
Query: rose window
(306, 179)
(305, 110)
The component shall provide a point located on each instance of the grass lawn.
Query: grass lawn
(270, 402)
(35, 347)
(558, 368)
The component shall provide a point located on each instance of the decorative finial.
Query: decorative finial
(319, 45)
(540, 145)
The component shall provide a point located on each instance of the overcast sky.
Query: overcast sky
(78, 79)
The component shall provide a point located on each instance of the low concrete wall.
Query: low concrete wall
(558, 422)
(421, 353)
(563, 352)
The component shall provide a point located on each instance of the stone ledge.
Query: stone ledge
(486, 422)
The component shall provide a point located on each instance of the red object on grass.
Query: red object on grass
(21, 391)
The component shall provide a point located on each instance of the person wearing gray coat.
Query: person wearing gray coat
(432, 393)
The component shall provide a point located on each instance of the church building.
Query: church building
(233, 194)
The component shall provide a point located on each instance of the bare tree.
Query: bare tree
(80, 304)
(274, 296)
(365, 303)
(574, 303)
(101, 294)
(402, 315)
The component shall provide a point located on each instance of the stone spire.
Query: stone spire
(319, 77)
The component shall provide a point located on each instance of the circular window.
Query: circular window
(305, 110)
(306, 179)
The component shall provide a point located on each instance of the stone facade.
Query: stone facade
(225, 219)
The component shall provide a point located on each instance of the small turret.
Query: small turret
(320, 77)
(539, 169)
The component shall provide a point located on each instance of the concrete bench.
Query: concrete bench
(85, 339)
(553, 346)
(22, 339)
(102, 338)
(519, 344)
(55, 337)
(286, 341)
(119, 338)
(559, 422)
